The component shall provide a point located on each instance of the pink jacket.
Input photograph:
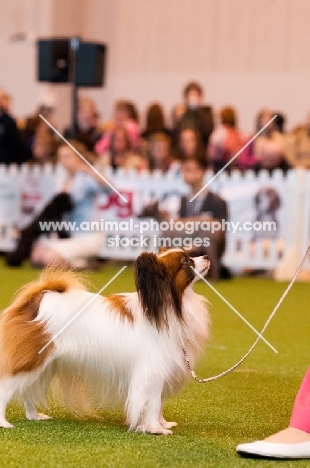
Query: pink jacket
(133, 131)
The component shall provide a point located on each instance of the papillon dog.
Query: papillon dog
(122, 349)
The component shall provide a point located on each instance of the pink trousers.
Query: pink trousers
(301, 410)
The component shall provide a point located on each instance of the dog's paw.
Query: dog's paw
(43, 417)
(162, 431)
(169, 425)
(39, 417)
(6, 425)
(158, 430)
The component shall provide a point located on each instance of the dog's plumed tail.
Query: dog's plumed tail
(21, 336)
(58, 279)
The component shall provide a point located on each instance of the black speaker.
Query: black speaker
(54, 65)
(90, 64)
(53, 60)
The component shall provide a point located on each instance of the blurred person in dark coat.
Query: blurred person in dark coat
(196, 116)
(11, 150)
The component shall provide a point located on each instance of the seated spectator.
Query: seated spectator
(252, 154)
(190, 146)
(132, 111)
(86, 127)
(275, 131)
(297, 145)
(155, 121)
(176, 114)
(34, 125)
(5, 101)
(225, 142)
(279, 122)
(262, 118)
(11, 149)
(44, 149)
(272, 157)
(125, 115)
(269, 133)
(77, 199)
(206, 207)
(160, 153)
(121, 153)
(196, 116)
(135, 162)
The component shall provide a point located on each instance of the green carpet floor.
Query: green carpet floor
(250, 403)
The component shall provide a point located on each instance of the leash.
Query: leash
(222, 374)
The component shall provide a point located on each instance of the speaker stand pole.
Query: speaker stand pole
(74, 46)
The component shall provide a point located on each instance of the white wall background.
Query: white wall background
(246, 53)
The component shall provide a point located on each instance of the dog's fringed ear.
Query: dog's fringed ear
(153, 288)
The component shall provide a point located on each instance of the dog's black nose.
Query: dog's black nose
(205, 257)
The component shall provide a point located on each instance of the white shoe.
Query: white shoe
(261, 449)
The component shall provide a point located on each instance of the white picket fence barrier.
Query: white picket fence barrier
(25, 190)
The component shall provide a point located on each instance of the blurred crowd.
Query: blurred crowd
(194, 130)
(194, 138)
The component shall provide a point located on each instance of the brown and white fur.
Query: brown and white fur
(123, 349)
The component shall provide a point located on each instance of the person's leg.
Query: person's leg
(42, 256)
(53, 211)
(299, 427)
(71, 251)
(300, 418)
(292, 442)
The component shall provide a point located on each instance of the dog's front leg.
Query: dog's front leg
(31, 412)
(153, 408)
(144, 406)
(7, 388)
(163, 422)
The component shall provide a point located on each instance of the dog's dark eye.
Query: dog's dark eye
(186, 260)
